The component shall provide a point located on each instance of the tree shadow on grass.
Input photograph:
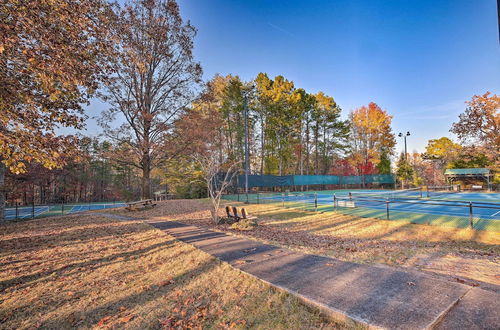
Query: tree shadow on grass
(26, 280)
(67, 237)
(80, 254)
(147, 294)
(354, 223)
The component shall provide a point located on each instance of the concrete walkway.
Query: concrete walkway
(380, 297)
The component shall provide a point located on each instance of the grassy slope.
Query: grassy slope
(89, 272)
(462, 253)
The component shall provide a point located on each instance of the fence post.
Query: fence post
(334, 202)
(387, 207)
(247, 199)
(33, 208)
(17, 210)
(470, 215)
(62, 207)
(315, 202)
(283, 199)
(258, 202)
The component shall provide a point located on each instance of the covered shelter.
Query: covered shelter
(453, 175)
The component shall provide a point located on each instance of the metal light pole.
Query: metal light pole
(247, 155)
(405, 135)
(406, 154)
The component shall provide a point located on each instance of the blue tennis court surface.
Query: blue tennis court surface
(92, 207)
(457, 209)
(58, 209)
(25, 212)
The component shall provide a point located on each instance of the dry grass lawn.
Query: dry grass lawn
(464, 255)
(86, 271)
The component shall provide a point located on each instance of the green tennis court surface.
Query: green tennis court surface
(452, 209)
(27, 212)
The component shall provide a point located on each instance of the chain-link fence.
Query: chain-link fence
(17, 212)
(409, 206)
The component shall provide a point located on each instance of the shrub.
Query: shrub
(244, 224)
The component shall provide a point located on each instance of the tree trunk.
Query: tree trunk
(307, 148)
(2, 191)
(146, 172)
(301, 155)
(262, 139)
(280, 159)
(215, 215)
(323, 161)
(316, 150)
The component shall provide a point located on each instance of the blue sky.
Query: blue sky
(419, 60)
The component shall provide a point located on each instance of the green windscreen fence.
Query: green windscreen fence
(380, 178)
(266, 180)
(306, 180)
(353, 179)
(309, 180)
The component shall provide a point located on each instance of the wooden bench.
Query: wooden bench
(232, 212)
(245, 215)
(145, 203)
(476, 187)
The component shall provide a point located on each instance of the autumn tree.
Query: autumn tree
(371, 136)
(307, 102)
(278, 100)
(199, 131)
(202, 160)
(218, 175)
(423, 172)
(471, 157)
(442, 148)
(154, 82)
(404, 170)
(290, 130)
(298, 132)
(330, 134)
(479, 125)
(384, 164)
(440, 152)
(84, 178)
(52, 56)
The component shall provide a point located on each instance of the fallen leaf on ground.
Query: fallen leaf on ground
(103, 321)
(127, 318)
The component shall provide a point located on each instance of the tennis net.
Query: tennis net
(434, 191)
(393, 194)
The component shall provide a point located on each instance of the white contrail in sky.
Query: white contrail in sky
(281, 29)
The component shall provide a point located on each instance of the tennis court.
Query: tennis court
(37, 211)
(445, 208)
(25, 212)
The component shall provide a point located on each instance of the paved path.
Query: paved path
(381, 297)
